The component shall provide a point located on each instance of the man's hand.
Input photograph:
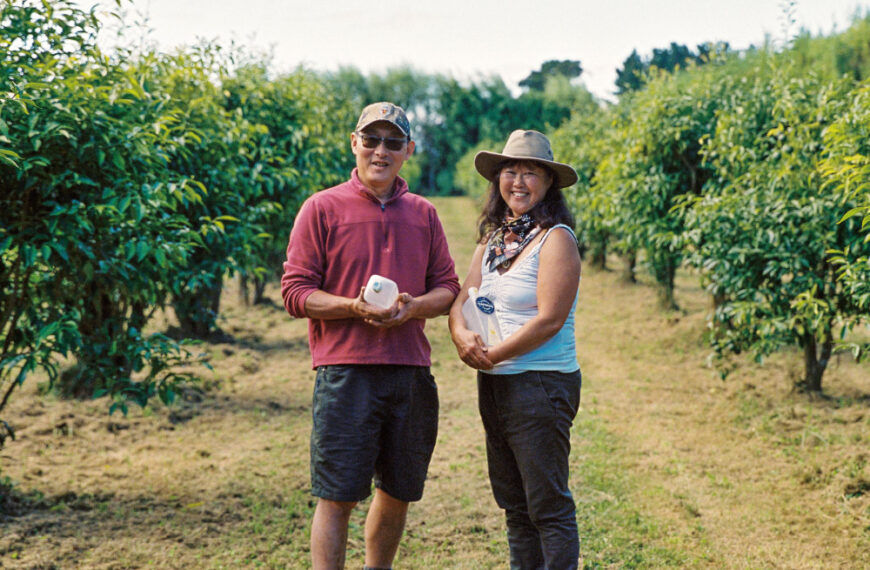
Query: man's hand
(371, 313)
(402, 311)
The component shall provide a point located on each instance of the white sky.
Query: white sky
(469, 38)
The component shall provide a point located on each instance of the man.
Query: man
(375, 405)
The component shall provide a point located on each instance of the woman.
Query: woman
(527, 265)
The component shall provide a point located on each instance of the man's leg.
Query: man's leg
(407, 440)
(384, 526)
(329, 534)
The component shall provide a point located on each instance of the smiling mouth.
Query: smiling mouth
(381, 164)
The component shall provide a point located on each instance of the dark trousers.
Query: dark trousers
(527, 418)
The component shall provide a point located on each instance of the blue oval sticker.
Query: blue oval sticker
(485, 305)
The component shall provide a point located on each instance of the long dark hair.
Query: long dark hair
(550, 211)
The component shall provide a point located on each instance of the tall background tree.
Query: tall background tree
(537, 80)
(635, 70)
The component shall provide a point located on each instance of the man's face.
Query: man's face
(378, 167)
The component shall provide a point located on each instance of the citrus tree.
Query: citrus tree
(762, 231)
(301, 144)
(89, 211)
(217, 152)
(466, 178)
(846, 170)
(657, 164)
(585, 142)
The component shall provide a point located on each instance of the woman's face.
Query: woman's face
(523, 185)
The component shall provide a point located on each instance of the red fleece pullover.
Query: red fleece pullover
(343, 235)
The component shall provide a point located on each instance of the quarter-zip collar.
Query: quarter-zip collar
(399, 187)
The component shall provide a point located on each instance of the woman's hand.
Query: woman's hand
(471, 348)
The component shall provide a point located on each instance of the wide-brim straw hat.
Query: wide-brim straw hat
(525, 145)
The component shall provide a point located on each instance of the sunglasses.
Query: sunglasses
(372, 141)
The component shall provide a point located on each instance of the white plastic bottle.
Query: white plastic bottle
(479, 313)
(381, 292)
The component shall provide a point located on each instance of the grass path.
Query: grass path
(671, 467)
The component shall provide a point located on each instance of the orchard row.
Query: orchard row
(752, 170)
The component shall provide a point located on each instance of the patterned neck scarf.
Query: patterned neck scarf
(509, 239)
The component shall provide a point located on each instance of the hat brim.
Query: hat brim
(487, 164)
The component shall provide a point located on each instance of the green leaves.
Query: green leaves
(762, 234)
(132, 181)
(10, 158)
(754, 172)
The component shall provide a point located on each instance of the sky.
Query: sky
(470, 39)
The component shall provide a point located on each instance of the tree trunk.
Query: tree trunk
(816, 357)
(259, 290)
(665, 268)
(667, 301)
(628, 268)
(599, 256)
(197, 311)
(259, 293)
(8, 393)
(243, 290)
(138, 318)
(98, 359)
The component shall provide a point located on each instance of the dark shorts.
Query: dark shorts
(372, 420)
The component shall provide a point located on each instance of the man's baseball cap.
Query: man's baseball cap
(384, 111)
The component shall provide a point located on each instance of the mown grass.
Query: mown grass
(615, 533)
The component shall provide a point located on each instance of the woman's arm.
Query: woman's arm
(558, 279)
(471, 348)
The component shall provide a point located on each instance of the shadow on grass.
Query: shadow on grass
(242, 338)
(208, 399)
(58, 531)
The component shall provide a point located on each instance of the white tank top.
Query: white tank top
(515, 296)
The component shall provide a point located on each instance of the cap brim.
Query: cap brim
(487, 164)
